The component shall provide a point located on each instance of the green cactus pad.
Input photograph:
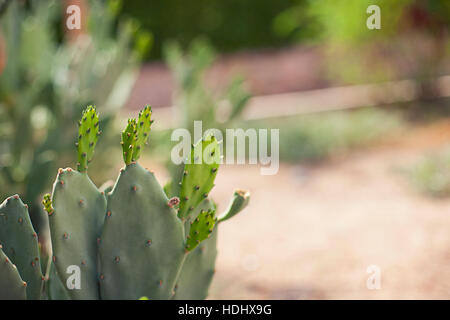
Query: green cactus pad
(12, 287)
(143, 128)
(129, 138)
(198, 269)
(55, 288)
(135, 135)
(76, 224)
(238, 203)
(88, 133)
(198, 178)
(20, 243)
(201, 228)
(142, 245)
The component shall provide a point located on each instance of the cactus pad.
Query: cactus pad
(12, 287)
(88, 133)
(142, 245)
(143, 128)
(76, 224)
(198, 268)
(135, 135)
(201, 228)
(238, 203)
(198, 178)
(20, 243)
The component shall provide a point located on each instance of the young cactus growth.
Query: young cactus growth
(88, 133)
(201, 229)
(135, 135)
(47, 202)
(143, 128)
(238, 203)
(199, 175)
(129, 137)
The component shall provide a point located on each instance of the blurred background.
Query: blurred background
(364, 119)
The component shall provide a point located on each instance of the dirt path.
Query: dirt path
(312, 233)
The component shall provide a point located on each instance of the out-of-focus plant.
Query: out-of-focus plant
(229, 25)
(412, 40)
(47, 81)
(193, 98)
(431, 174)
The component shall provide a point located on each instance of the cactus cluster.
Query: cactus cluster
(126, 242)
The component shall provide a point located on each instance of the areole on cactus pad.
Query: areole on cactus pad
(127, 242)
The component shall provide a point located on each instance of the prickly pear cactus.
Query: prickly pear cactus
(144, 261)
(12, 287)
(137, 202)
(198, 269)
(20, 245)
(76, 219)
(129, 243)
(87, 138)
(199, 175)
(135, 135)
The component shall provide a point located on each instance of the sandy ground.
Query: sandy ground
(311, 232)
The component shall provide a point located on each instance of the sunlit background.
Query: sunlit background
(364, 119)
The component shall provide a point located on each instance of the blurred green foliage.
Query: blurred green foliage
(345, 20)
(193, 99)
(358, 54)
(47, 81)
(431, 174)
(228, 24)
